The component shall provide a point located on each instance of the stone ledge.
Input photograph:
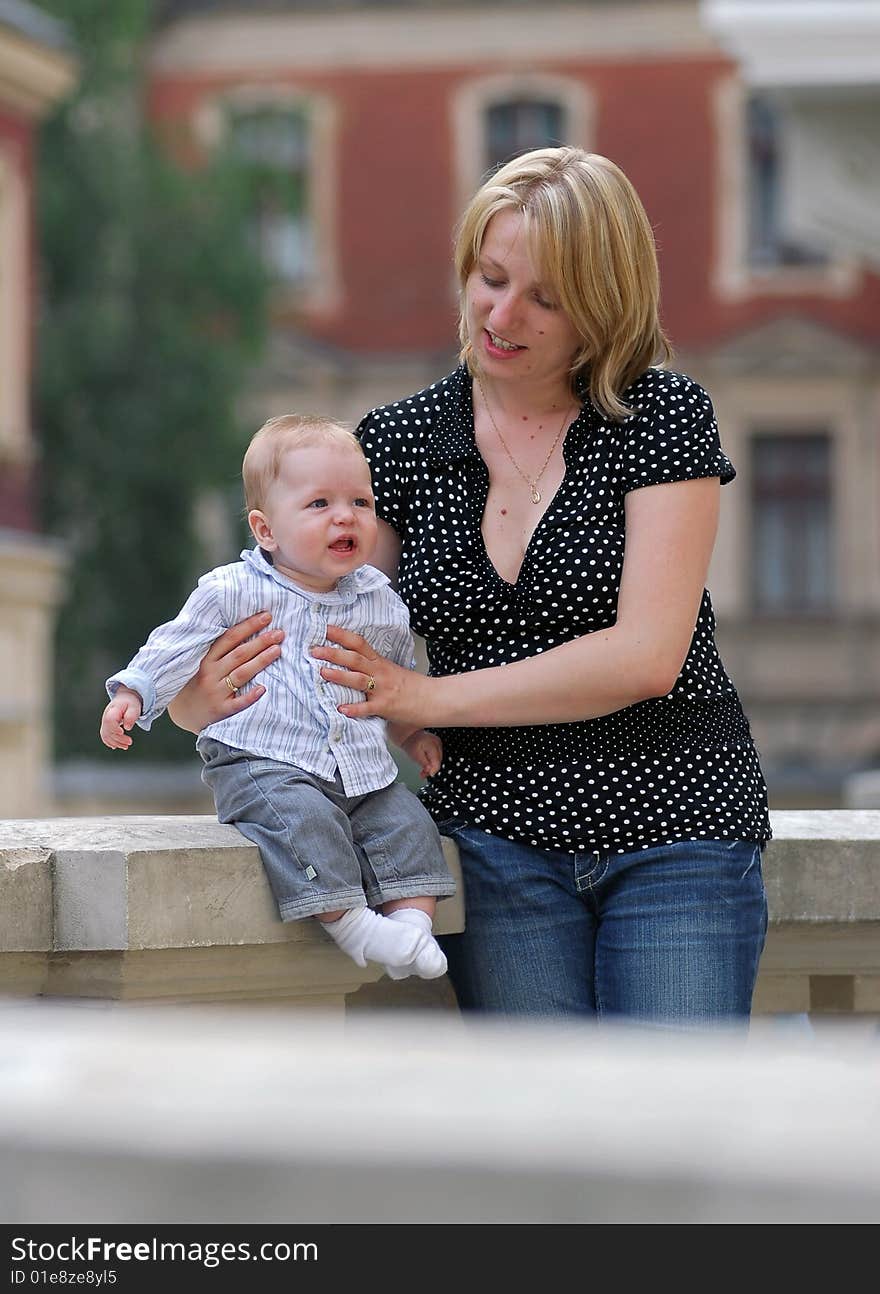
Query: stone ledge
(178, 908)
(212, 1117)
(161, 909)
(823, 865)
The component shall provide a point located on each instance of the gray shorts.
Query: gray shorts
(323, 849)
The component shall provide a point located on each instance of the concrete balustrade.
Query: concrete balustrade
(822, 872)
(145, 1116)
(167, 909)
(178, 909)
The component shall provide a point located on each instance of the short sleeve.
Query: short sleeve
(673, 435)
(382, 451)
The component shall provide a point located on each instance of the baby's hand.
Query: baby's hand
(120, 715)
(426, 750)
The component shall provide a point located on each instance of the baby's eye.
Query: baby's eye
(318, 503)
(363, 503)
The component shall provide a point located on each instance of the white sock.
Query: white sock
(429, 961)
(368, 936)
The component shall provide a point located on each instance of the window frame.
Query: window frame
(473, 99)
(734, 277)
(516, 102)
(321, 291)
(276, 174)
(791, 606)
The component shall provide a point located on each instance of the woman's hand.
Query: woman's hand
(235, 656)
(396, 694)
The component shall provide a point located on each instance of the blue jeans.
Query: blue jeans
(671, 934)
(322, 849)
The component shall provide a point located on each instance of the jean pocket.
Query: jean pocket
(449, 826)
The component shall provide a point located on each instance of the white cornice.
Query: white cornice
(32, 77)
(788, 43)
(268, 42)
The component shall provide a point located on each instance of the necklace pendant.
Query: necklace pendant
(536, 494)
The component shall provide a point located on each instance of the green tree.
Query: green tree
(151, 311)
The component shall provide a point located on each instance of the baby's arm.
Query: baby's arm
(119, 717)
(172, 653)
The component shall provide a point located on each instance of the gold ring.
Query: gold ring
(371, 683)
(229, 683)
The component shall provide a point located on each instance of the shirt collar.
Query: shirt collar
(452, 435)
(361, 580)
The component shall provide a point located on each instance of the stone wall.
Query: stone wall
(178, 909)
(190, 1116)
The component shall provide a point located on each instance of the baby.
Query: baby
(340, 837)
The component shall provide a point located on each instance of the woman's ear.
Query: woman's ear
(261, 530)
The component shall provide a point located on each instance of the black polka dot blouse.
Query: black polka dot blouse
(677, 767)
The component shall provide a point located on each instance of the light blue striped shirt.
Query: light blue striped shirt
(297, 720)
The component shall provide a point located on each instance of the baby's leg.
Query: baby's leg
(429, 961)
(304, 835)
(404, 870)
(368, 936)
(304, 838)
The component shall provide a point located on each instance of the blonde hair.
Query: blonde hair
(593, 247)
(262, 460)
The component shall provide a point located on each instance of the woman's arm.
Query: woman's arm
(235, 655)
(670, 533)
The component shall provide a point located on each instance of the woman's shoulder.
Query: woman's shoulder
(661, 395)
(420, 409)
(672, 433)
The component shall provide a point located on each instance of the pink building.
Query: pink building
(367, 126)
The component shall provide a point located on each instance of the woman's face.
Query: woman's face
(515, 325)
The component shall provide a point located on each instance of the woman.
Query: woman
(551, 508)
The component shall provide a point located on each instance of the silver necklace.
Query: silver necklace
(531, 482)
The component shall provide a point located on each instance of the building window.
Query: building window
(518, 125)
(768, 244)
(493, 118)
(792, 534)
(273, 141)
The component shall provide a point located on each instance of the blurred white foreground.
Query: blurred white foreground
(196, 1115)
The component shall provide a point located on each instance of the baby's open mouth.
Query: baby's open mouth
(343, 545)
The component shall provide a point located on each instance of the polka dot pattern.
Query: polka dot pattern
(679, 767)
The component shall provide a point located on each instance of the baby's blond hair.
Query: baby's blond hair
(262, 460)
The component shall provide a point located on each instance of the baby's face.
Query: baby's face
(319, 521)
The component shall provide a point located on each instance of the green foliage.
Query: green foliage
(151, 311)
